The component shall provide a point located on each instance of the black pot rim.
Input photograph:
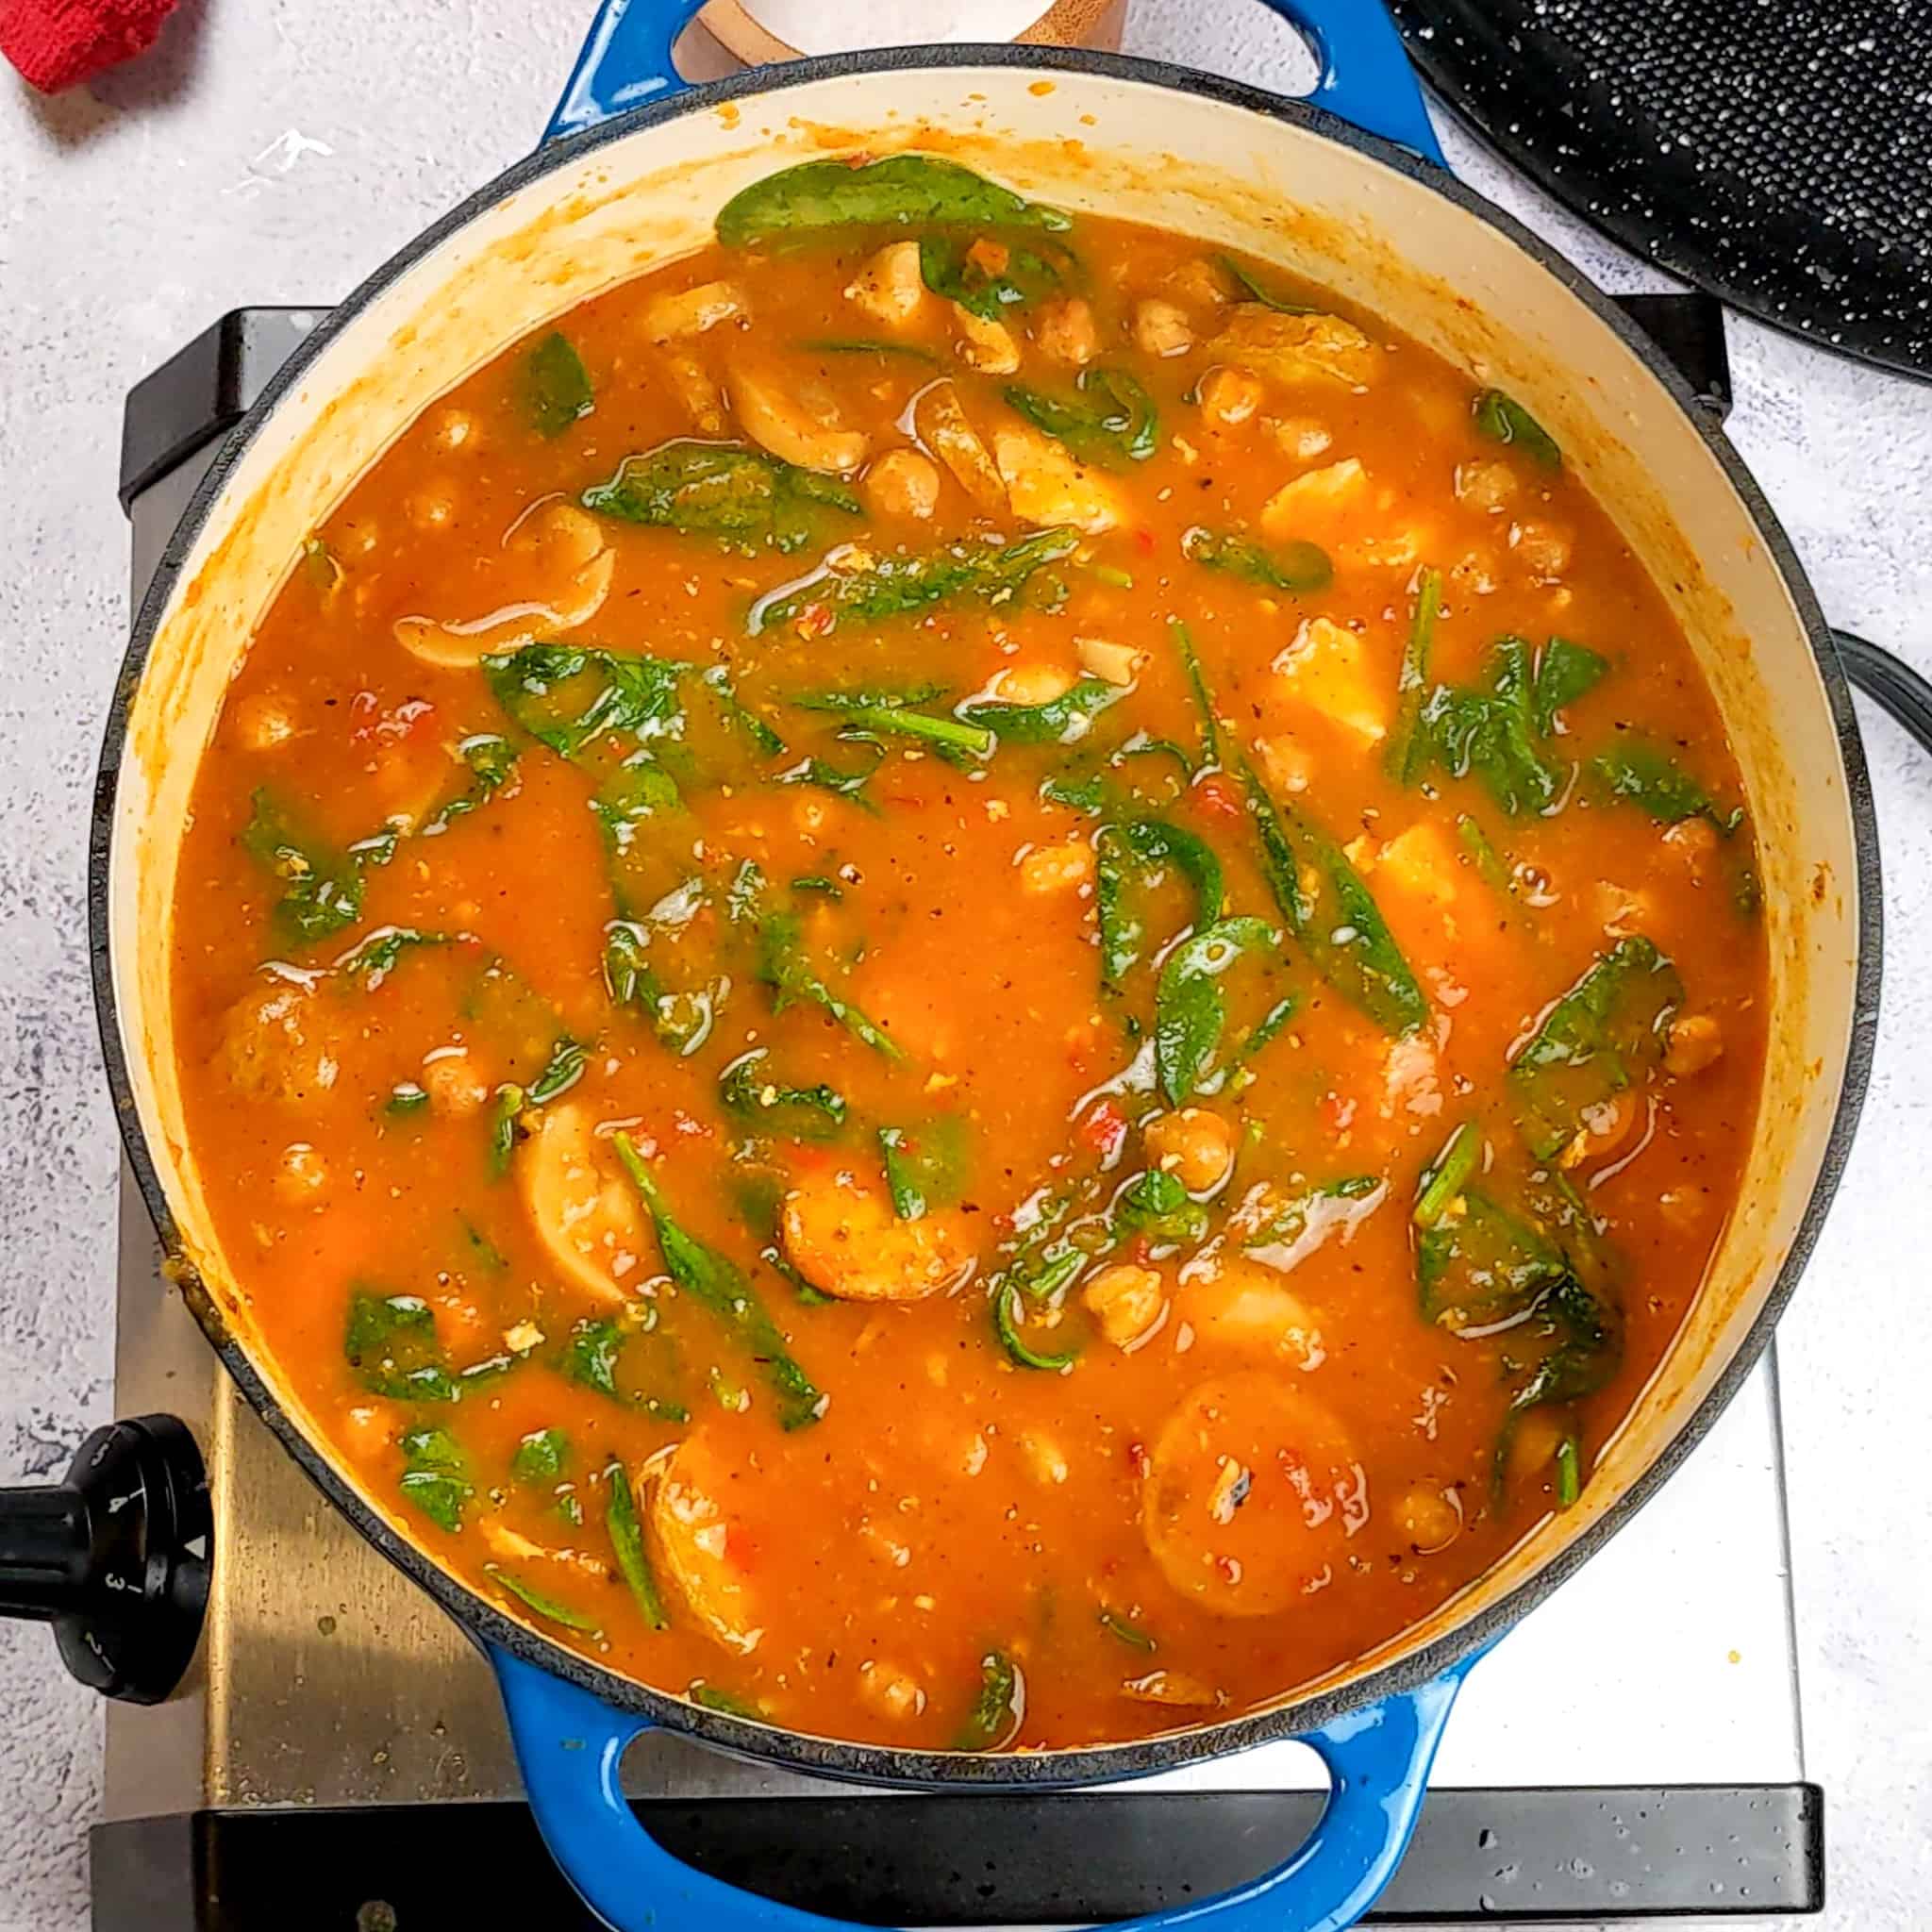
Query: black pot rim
(882, 1765)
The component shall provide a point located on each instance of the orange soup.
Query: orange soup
(968, 978)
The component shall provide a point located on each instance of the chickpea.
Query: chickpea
(300, 1175)
(263, 723)
(1230, 396)
(1032, 684)
(1544, 547)
(458, 430)
(1113, 663)
(1302, 438)
(1430, 1518)
(1194, 1146)
(1044, 1462)
(1128, 1303)
(432, 509)
(903, 483)
(1696, 1041)
(891, 1693)
(1066, 332)
(1162, 328)
(1605, 1127)
(1489, 485)
(1048, 869)
(454, 1086)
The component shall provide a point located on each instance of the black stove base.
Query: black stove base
(1512, 1858)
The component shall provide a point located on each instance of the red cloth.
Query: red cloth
(56, 43)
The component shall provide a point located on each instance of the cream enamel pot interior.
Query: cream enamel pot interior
(1083, 131)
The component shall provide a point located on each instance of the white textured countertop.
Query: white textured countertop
(272, 152)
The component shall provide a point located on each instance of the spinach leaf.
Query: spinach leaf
(1155, 1204)
(491, 760)
(1255, 292)
(760, 1201)
(1064, 720)
(897, 586)
(571, 698)
(1448, 1174)
(925, 1166)
(591, 1356)
(506, 1111)
(783, 967)
(1295, 567)
(1331, 912)
(1503, 418)
(540, 1457)
(1490, 730)
(556, 385)
(984, 276)
(709, 1697)
(560, 1073)
(626, 1536)
(741, 497)
(682, 1020)
(436, 1474)
(802, 1113)
(1040, 1267)
(1110, 419)
(1484, 1265)
(1190, 1008)
(322, 888)
(717, 1283)
(1197, 684)
(321, 567)
(1126, 1630)
(738, 714)
(1564, 672)
(1646, 776)
(866, 345)
(392, 1344)
(999, 1709)
(1288, 1220)
(1409, 747)
(904, 191)
(1583, 1339)
(892, 715)
(1593, 1043)
(1009, 1311)
(404, 1098)
(1488, 860)
(541, 1600)
(370, 961)
(1145, 847)
(825, 777)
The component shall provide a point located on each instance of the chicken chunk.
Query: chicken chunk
(1317, 497)
(1696, 1041)
(1332, 671)
(1295, 348)
(554, 573)
(889, 287)
(983, 345)
(845, 1239)
(702, 400)
(944, 429)
(797, 421)
(1112, 663)
(673, 317)
(1046, 486)
(902, 483)
(1162, 328)
(692, 1522)
(579, 1203)
(1230, 396)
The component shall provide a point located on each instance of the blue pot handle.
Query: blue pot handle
(570, 1747)
(1366, 78)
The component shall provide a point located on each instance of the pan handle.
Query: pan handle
(1366, 78)
(1888, 681)
(570, 1748)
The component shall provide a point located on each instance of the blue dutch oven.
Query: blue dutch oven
(1348, 188)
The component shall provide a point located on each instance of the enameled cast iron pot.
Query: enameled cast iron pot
(1350, 190)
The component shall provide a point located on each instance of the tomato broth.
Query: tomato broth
(968, 978)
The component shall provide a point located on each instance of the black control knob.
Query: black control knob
(116, 1558)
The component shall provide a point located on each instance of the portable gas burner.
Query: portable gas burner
(336, 1754)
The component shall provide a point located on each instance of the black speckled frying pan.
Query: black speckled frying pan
(1777, 153)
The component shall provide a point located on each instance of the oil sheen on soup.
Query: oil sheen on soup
(965, 978)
